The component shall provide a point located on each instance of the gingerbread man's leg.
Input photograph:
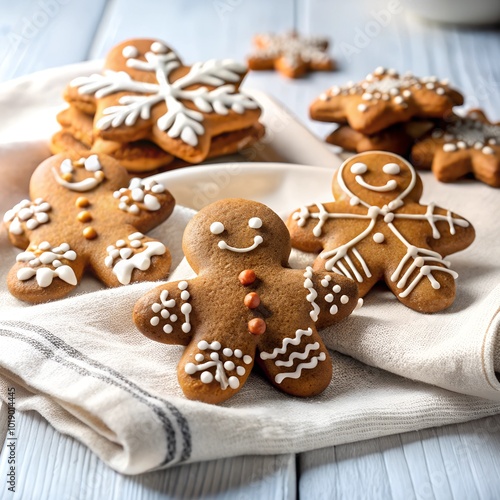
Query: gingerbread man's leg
(213, 371)
(123, 260)
(297, 362)
(54, 268)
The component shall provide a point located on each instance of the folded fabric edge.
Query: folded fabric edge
(491, 352)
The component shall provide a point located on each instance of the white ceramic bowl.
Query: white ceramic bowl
(457, 11)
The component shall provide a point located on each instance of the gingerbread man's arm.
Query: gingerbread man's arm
(448, 232)
(165, 313)
(332, 296)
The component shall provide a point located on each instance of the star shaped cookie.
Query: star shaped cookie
(291, 54)
(146, 92)
(463, 145)
(384, 98)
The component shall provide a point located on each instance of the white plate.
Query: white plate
(28, 107)
(281, 186)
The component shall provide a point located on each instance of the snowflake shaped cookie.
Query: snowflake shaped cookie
(384, 98)
(463, 145)
(86, 214)
(376, 230)
(246, 306)
(145, 92)
(291, 54)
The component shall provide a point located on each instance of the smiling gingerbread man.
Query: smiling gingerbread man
(245, 306)
(376, 230)
(85, 213)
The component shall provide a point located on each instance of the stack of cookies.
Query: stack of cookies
(148, 110)
(385, 111)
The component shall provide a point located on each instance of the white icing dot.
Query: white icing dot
(388, 218)
(398, 99)
(216, 227)
(130, 51)
(334, 309)
(461, 144)
(182, 285)
(199, 357)
(168, 329)
(337, 289)
(329, 297)
(45, 245)
(120, 243)
(325, 282)
(227, 352)
(229, 365)
(135, 236)
(173, 318)
(240, 371)
(354, 201)
(185, 295)
(440, 91)
(214, 356)
(255, 223)
(367, 96)
(186, 308)
(206, 377)
(487, 150)
(238, 353)
(378, 238)
(155, 320)
(359, 168)
(186, 327)
(406, 93)
(449, 148)
(165, 314)
(202, 345)
(158, 47)
(156, 307)
(247, 359)
(234, 383)
(344, 299)
(135, 244)
(391, 169)
(190, 368)
(362, 107)
(215, 345)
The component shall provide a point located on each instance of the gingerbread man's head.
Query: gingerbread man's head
(383, 180)
(231, 234)
(246, 306)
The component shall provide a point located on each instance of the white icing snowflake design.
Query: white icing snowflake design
(125, 256)
(339, 260)
(32, 213)
(141, 191)
(179, 121)
(45, 264)
(223, 360)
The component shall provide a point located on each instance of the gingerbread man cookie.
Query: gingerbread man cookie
(463, 145)
(85, 213)
(145, 92)
(245, 306)
(384, 98)
(376, 229)
(290, 54)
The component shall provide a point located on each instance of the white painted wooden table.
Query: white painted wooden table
(452, 462)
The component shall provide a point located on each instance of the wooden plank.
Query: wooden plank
(39, 34)
(53, 466)
(452, 462)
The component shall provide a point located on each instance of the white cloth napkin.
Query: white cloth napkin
(82, 364)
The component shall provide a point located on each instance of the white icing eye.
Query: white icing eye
(255, 223)
(92, 163)
(216, 227)
(130, 51)
(391, 169)
(66, 166)
(359, 168)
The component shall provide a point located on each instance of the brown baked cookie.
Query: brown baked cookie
(462, 146)
(396, 139)
(245, 306)
(85, 213)
(291, 54)
(145, 92)
(376, 230)
(384, 98)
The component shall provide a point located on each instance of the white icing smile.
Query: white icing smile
(388, 186)
(91, 164)
(255, 223)
(256, 242)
